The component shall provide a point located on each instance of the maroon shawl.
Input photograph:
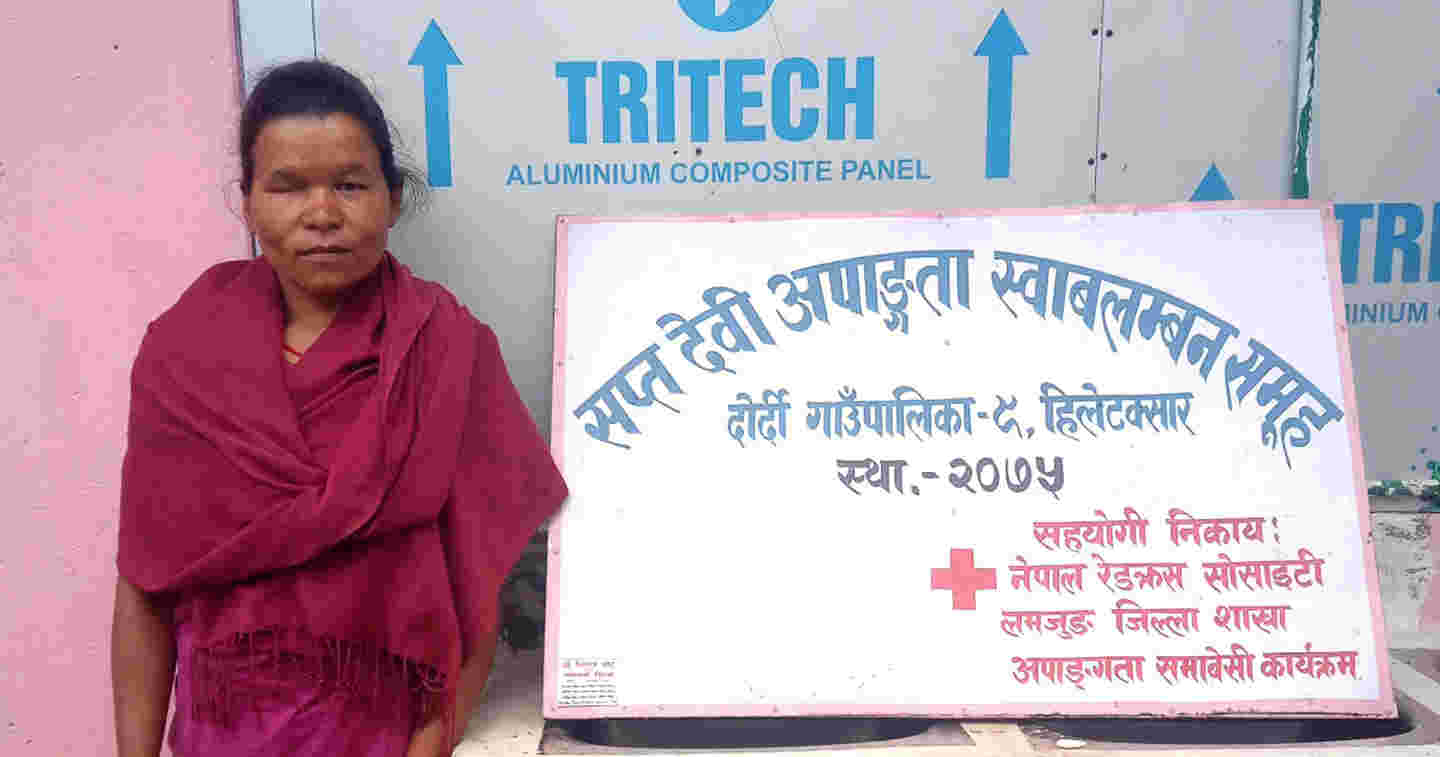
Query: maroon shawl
(375, 573)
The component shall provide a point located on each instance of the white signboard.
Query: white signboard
(997, 464)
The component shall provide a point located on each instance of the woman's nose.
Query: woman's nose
(322, 209)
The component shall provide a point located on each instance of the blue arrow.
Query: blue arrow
(433, 54)
(1001, 45)
(1212, 188)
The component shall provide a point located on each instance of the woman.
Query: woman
(328, 470)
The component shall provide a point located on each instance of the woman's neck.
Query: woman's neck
(307, 317)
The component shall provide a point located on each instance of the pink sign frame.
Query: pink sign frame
(1383, 707)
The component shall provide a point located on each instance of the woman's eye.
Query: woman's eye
(350, 186)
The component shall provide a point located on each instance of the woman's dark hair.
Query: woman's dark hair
(319, 88)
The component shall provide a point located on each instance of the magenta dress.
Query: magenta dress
(306, 722)
(300, 719)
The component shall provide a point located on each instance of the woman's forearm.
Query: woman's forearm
(430, 740)
(142, 668)
(472, 680)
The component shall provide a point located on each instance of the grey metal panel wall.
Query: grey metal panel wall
(1374, 152)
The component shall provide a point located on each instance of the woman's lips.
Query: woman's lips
(324, 254)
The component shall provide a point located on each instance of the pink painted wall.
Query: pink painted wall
(117, 187)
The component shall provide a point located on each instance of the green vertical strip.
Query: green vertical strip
(1310, 34)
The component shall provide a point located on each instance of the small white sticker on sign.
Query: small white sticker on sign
(588, 682)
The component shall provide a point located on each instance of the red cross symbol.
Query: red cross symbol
(962, 578)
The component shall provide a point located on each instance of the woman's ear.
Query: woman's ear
(397, 203)
(245, 212)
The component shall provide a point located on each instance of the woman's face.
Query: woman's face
(319, 205)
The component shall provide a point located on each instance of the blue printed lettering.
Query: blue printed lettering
(780, 88)
(664, 101)
(738, 100)
(895, 169)
(699, 73)
(1434, 244)
(862, 96)
(613, 99)
(575, 73)
(1388, 239)
(625, 95)
(1381, 313)
(583, 173)
(1399, 228)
